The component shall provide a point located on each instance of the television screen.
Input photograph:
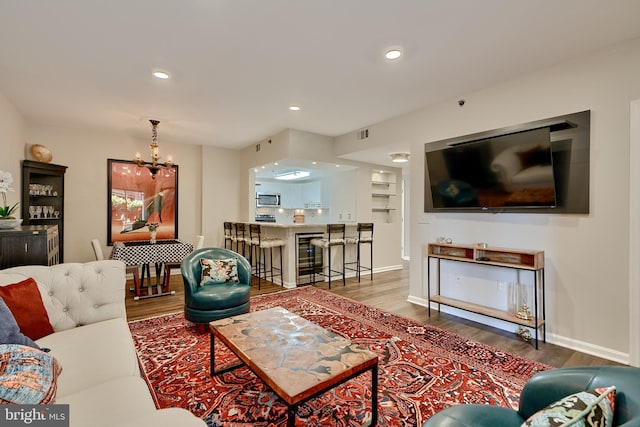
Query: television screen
(502, 172)
(539, 167)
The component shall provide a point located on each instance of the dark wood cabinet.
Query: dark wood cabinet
(29, 245)
(43, 197)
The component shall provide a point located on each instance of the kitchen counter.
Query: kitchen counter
(293, 225)
(288, 232)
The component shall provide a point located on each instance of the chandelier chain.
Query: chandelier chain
(155, 165)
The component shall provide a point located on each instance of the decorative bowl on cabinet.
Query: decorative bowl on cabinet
(8, 223)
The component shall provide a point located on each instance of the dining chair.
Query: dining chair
(168, 266)
(133, 269)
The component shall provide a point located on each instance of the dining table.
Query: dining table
(145, 253)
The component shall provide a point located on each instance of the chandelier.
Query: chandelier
(154, 166)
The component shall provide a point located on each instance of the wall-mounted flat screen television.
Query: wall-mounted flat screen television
(539, 166)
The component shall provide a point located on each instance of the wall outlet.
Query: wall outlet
(502, 287)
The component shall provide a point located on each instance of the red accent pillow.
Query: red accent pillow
(25, 302)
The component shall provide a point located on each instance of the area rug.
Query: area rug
(422, 369)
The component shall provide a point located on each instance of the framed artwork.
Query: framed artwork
(136, 199)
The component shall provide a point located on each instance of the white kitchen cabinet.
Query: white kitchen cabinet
(295, 195)
(268, 187)
(343, 197)
(291, 194)
(311, 194)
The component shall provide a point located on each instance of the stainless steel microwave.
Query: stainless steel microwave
(268, 200)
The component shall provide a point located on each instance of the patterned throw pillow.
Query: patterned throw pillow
(219, 271)
(27, 376)
(583, 409)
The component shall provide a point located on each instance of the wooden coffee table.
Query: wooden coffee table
(296, 358)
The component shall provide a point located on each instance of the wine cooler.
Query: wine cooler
(309, 258)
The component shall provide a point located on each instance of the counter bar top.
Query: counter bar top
(288, 233)
(280, 225)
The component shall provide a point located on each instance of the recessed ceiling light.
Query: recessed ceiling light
(393, 54)
(294, 107)
(161, 74)
(314, 163)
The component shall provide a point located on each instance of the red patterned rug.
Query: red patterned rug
(422, 369)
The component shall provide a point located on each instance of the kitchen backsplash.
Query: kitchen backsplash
(285, 216)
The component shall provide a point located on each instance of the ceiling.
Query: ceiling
(316, 169)
(236, 65)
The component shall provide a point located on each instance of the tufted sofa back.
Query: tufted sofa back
(76, 294)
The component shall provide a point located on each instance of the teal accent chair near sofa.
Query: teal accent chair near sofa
(213, 301)
(548, 387)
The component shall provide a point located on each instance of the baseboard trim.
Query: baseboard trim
(588, 348)
(415, 300)
(387, 268)
(559, 340)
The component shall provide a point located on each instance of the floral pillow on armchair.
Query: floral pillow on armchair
(219, 271)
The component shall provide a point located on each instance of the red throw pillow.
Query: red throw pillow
(25, 302)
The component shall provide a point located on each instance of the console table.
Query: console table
(518, 259)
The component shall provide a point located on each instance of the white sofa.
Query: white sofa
(100, 377)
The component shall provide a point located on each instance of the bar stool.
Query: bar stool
(364, 237)
(259, 243)
(241, 237)
(334, 236)
(228, 235)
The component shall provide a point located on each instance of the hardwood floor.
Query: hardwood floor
(389, 291)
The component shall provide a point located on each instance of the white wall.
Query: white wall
(406, 216)
(222, 192)
(85, 152)
(307, 145)
(209, 183)
(587, 262)
(12, 129)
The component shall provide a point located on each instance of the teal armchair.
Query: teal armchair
(203, 304)
(547, 387)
